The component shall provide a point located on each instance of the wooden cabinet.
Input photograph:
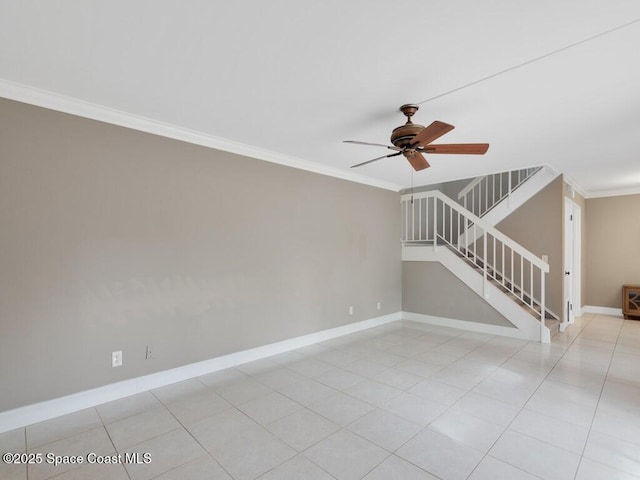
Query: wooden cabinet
(631, 301)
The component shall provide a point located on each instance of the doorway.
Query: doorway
(572, 260)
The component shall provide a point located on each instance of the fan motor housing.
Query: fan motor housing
(402, 136)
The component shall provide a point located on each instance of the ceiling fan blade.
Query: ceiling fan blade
(462, 148)
(416, 159)
(390, 147)
(431, 133)
(376, 159)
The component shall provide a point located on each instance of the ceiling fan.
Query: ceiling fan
(412, 140)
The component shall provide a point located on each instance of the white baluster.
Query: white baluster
(511, 278)
(486, 196)
(435, 224)
(531, 282)
(521, 278)
(542, 305)
(484, 265)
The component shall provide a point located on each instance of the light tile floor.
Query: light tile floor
(404, 401)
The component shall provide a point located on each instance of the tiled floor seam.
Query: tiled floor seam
(249, 417)
(450, 406)
(115, 449)
(595, 411)
(190, 434)
(345, 427)
(521, 408)
(104, 425)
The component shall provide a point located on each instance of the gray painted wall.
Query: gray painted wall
(430, 289)
(613, 236)
(113, 239)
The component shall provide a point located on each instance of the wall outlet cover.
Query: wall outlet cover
(116, 359)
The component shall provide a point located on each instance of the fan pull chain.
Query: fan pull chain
(412, 186)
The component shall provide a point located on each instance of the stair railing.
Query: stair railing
(484, 193)
(432, 218)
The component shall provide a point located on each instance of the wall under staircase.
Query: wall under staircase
(517, 322)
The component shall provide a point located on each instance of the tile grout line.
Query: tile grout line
(189, 432)
(104, 425)
(522, 408)
(598, 403)
(448, 407)
(345, 427)
(235, 407)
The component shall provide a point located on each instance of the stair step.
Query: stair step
(553, 325)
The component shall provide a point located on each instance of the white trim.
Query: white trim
(572, 183)
(616, 312)
(466, 325)
(74, 106)
(38, 412)
(600, 193)
(614, 193)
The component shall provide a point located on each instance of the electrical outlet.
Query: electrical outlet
(116, 359)
(378, 305)
(149, 354)
(351, 310)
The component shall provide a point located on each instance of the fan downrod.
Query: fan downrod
(402, 135)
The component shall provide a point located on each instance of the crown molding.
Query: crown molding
(617, 192)
(571, 182)
(62, 103)
(614, 193)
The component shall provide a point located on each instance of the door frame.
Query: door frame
(572, 261)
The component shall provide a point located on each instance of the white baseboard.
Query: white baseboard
(38, 412)
(616, 312)
(466, 325)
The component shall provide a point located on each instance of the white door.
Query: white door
(571, 260)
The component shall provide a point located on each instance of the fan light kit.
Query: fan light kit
(413, 140)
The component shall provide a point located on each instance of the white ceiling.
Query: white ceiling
(553, 82)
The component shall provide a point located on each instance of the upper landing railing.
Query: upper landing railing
(484, 193)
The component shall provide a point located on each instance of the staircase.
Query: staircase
(508, 276)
